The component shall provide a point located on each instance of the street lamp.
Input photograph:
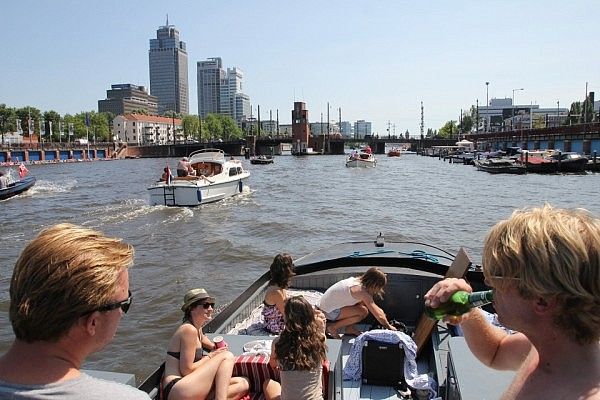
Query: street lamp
(557, 112)
(487, 105)
(512, 121)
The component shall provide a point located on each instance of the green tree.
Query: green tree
(449, 130)
(190, 126)
(574, 116)
(230, 129)
(212, 127)
(466, 124)
(54, 117)
(8, 120)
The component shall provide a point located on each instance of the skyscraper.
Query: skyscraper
(221, 92)
(169, 70)
(210, 76)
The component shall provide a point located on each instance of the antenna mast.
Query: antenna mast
(422, 120)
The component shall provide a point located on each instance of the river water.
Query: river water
(295, 205)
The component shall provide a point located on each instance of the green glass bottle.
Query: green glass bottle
(460, 303)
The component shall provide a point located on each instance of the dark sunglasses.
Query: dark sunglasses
(123, 305)
(206, 305)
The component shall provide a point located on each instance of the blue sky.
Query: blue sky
(377, 60)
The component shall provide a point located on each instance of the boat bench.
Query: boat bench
(257, 369)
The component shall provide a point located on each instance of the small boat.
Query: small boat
(261, 160)
(553, 161)
(394, 152)
(216, 179)
(17, 187)
(500, 166)
(412, 268)
(361, 159)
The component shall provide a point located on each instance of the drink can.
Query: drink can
(219, 342)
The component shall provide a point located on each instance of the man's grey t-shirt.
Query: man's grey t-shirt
(83, 387)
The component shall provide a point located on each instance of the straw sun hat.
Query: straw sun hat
(193, 295)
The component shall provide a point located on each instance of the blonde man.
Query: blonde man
(68, 292)
(544, 266)
(350, 300)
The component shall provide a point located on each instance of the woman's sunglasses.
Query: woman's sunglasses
(206, 305)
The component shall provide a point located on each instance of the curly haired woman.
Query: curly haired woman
(298, 353)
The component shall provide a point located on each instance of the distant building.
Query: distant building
(346, 129)
(501, 115)
(210, 75)
(300, 127)
(139, 129)
(362, 128)
(127, 98)
(168, 62)
(220, 91)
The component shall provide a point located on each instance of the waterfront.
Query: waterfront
(294, 205)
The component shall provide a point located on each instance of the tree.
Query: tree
(213, 127)
(54, 117)
(230, 129)
(190, 126)
(449, 130)
(466, 124)
(8, 120)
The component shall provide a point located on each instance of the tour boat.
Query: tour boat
(437, 362)
(216, 178)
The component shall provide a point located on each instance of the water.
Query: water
(295, 205)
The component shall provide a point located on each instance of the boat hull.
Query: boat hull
(500, 167)
(17, 187)
(185, 193)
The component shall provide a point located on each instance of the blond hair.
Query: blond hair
(551, 252)
(62, 274)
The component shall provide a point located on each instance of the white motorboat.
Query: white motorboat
(216, 178)
(362, 159)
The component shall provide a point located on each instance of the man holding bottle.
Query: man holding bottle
(544, 267)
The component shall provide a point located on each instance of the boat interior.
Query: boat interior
(410, 276)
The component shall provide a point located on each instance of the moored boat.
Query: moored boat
(17, 187)
(216, 179)
(499, 166)
(361, 159)
(411, 269)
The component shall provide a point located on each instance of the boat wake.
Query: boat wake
(50, 187)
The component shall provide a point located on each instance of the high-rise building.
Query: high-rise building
(127, 98)
(362, 128)
(169, 70)
(210, 76)
(221, 92)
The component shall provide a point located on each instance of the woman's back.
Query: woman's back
(302, 384)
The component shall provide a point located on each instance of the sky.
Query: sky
(376, 60)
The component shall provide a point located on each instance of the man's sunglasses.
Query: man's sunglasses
(123, 305)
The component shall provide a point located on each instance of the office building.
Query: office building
(168, 62)
(220, 91)
(126, 98)
(210, 75)
(362, 128)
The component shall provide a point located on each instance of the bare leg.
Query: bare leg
(271, 390)
(223, 375)
(348, 316)
(238, 387)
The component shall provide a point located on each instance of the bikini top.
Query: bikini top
(177, 354)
